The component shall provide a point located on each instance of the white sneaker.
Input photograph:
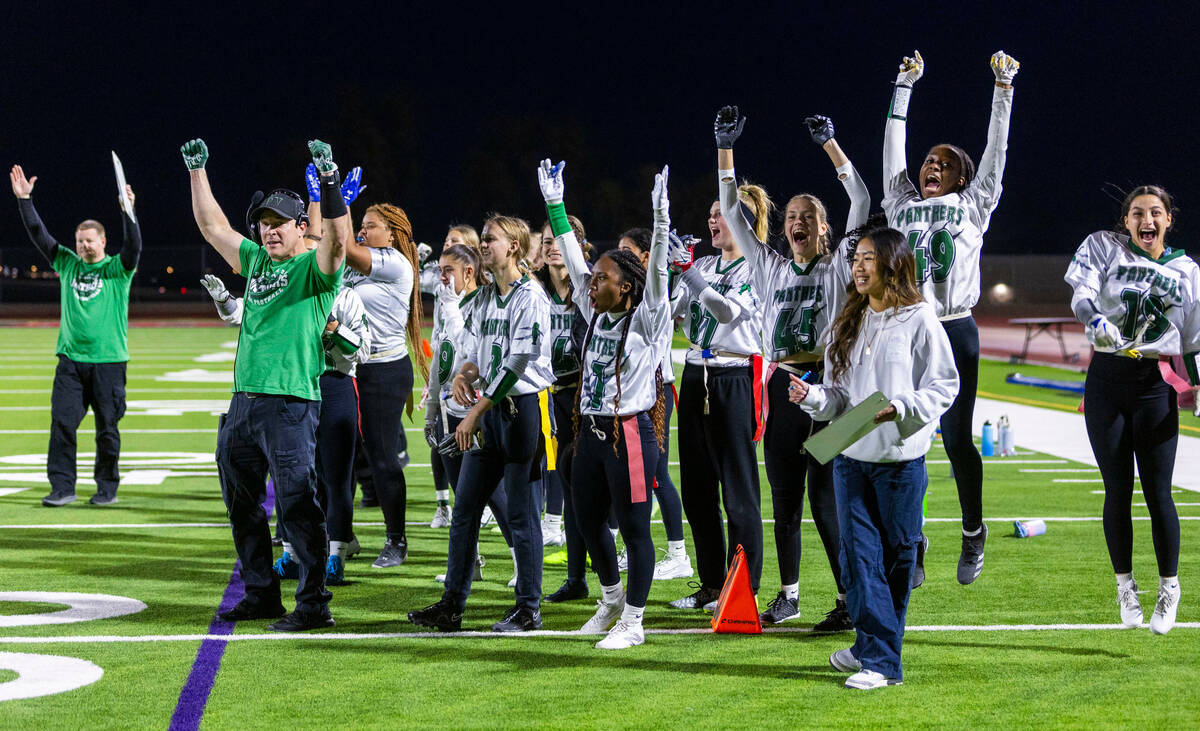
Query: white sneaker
(1131, 609)
(673, 567)
(480, 562)
(622, 560)
(622, 636)
(845, 661)
(553, 538)
(605, 615)
(486, 518)
(1163, 618)
(869, 680)
(512, 583)
(441, 517)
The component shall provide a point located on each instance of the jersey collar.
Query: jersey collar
(807, 267)
(732, 265)
(502, 302)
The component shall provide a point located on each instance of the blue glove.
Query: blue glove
(352, 186)
(728, 127)
(313, 181)
(821, 128)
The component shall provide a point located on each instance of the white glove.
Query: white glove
(658, 197)
(216, 288)
(423, 252)
(680, 251)
(911, 69)
(446, 295)
(1005, 67)
(1102, 333)
(551, 181)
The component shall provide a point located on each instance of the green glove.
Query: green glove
(322, 156)
(195, 154)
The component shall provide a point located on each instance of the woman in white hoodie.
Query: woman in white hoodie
(888, 339)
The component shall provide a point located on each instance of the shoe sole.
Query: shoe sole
(47, 502)
(323, 625)
(843, 668)
(778, 621)
(675, 575)
(601, 646)
(873, 687)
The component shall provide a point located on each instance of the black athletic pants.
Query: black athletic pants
(956, 422)
(719, 468)
(563, 401)
(1131, 413)
(77, 387)
(664, 487)
(453, 468)
(383, 390)
(337, 436)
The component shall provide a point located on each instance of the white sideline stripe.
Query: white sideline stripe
(215, 389)
(1063, 469)
(556, 634)
(1004, 461)
(1091, 482)
(123, 431)
(1178, 505)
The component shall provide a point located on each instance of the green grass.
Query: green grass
(7, 608)
(1092, 678)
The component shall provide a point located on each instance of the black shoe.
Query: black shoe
(837, 620)
(58, 499)
(781, 609)
(970, 562)
(394, 553)
(299, 621)
(918, 575)
(702, 597)
(570, 590)
(99, 499)
(441, 615)
(252, 610)
(519, 619)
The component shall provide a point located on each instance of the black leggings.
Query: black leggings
(956, 422)
(383, 390)
(498, 502)
(564, 407)
(337, 435)
(1131, 413)
(788, 426)
(664, 489)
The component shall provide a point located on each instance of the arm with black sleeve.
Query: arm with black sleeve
(22, 188)
(131, 249)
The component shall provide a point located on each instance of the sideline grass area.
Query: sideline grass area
(1093, 678)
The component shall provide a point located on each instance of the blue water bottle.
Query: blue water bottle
(989, 447)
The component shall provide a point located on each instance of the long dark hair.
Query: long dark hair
(1155, 190)
(542, 275)
(898, 270)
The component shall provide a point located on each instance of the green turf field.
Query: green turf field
(165, 545)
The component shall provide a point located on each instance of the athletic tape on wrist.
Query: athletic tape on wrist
(559, 224)
(332, 204)
(900, 97)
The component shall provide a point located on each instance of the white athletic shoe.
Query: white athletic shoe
(605, 615)
(486, 518)
(712, 606)
(673, 567)
(1163, 618)
(441, 517)
(869, 680)
(553, 538)
(622, 560)
(1131, 609)
(622, 636)
(845, 661)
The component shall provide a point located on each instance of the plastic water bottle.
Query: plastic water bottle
(1029, 528)
(989, 436)
(1007, 446)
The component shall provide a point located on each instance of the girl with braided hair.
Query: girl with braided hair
(620, 410)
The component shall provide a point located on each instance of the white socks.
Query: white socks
(676, 549)
(287, 548)
(1124, 580)
(443, 497)
(553, 522)
(631, 614)
(338, 548)
(792, 591)
(513, 551)
(1168, 582)
(973, 533)
(611, 594)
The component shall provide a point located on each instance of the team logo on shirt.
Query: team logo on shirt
(87, 286)
(266, 286)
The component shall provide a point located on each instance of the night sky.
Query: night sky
(449, 110)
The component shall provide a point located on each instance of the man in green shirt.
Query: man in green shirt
(272, 420)
(92, 349)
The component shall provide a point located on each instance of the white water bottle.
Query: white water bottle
(1007, 446)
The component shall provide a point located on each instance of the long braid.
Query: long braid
(658, 412)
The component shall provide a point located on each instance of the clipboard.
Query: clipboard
(846, 429)
(126, 204)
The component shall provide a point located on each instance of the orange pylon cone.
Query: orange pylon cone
(737, 608)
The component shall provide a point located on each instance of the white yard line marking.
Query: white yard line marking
(1004, 461)
(123, 431)
(1092, 482)
(1090, 471)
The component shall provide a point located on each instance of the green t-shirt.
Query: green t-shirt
(94, 299)
(285, 309)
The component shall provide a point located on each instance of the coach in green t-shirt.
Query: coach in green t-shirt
(271, 426)
(92, 349)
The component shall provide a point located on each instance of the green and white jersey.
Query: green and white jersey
(452, 343)
(513, 325)
(731, 279)
(94, 300)
(1155, 303)
(945, 232)
(284, 314)
(564, 356)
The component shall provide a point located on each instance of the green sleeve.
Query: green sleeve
(248, 251)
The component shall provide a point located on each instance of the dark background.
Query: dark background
(448, 107)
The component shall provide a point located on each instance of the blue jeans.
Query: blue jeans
(879, 518)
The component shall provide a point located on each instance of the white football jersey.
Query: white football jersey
(564, 355)
(386, 293)
(945, 233)
(732, 279)
(1155, 303)
(450, 350)
(516, 323)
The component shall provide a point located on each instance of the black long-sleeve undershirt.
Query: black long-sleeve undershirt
(131, 249)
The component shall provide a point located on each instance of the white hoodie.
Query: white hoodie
(904, 353)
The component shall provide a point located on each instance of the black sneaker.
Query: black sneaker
(394, 553)
(519, 619)
(837, 620)
(781, 609)
(918, 575)
(697, 600)
(99, 499)
(970, 563)
(299, 621)
(441, 615)
(570, 590)
(252, 610)
(58, 499)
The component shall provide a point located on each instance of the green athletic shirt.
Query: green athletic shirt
(94, 299)
(285, 309)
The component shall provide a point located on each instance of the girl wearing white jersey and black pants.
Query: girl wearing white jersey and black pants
(719, 407)
(944, 220)
(801, 297)
(887, 339)
(508, 320)
(1140, 300)
(620, 406)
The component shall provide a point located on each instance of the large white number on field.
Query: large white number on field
(80, 607)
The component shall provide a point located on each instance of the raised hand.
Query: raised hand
(424, 251)
(195, 154)
(322, 156)
(728, 127)
(1102, 333)
(447, 294)
(550, 179)
(313, 181)
(22, 188)
(216, 288)
(352, 186)
(911, 69)
(680, 251)
(821, 128)
(1005, 67)
(128, 192)
(658, 197)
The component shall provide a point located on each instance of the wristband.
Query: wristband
(559, 224)
(900, 97)
(723, 175)
(332, 204)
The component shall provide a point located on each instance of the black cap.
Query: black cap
(282, 201)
